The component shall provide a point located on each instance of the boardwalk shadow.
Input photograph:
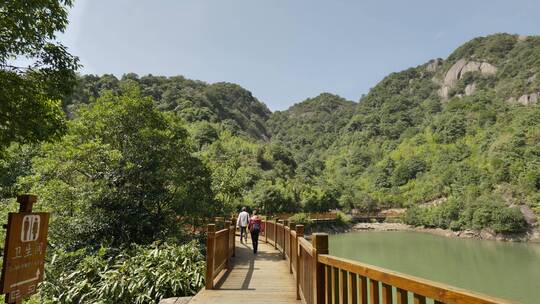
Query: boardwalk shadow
(245, 260)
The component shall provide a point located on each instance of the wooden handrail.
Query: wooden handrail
(305, 243)
(323, 278)
(220, 247)
(312, 215)
(418, 286)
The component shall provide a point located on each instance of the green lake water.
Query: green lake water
(505, 270)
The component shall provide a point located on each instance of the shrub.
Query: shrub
(301, 219)
(508, 220)
(414, 216)
(449, 127)
(143, 274)
(342, 218)
(481, 217)
(407, 170)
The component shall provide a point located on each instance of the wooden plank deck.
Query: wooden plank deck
(261, 278)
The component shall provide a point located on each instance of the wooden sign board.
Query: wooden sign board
(24, 254)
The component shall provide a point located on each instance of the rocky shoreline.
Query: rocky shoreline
(532, 236)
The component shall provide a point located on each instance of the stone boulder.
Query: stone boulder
(470, 89)
(453, 74)
(487, 69)
(487, 234)
(529, 99)
(529, 215)
(433, 65)
(443, 92)
(469, 234)
(471, 66)
(456, 72)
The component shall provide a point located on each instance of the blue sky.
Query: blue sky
(283, 51)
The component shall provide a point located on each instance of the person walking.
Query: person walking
(255, 227)
(242, 222)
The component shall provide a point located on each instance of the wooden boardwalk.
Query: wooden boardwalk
(319, 277)
(261, 278)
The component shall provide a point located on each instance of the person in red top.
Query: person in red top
(255, 227)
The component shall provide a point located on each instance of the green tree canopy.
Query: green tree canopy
(123, 173)
(30, 95)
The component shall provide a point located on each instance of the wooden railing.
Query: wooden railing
(347, 281)
(220, 247)
(323, 278)
(312, 215)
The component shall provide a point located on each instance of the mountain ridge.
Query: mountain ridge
(464, 128)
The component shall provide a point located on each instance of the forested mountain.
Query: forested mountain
(192, 100)
(460, 135)
(310, 127)
(455, 141)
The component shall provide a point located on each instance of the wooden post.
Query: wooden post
(218, 220)
(227, 240)
(275, 233)
(285, 224)
(266, 230)
(210, 246)
(279, 221)
(299, 234)
(320, 246)
(26, 202)
(291, 249)
(233, 227)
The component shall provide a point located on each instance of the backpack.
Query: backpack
(257, 226)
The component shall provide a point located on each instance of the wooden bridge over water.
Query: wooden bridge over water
(291, 269)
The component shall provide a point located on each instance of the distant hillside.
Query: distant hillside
(310, 127)
(193, 100)
(455, 141)
(458, 137)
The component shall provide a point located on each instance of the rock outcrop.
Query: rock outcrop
(472, 66)
(434, 203)
(433, 65)
(470, 89)
(526, 99)
(528, 215)
(487, 69)
(456, 72)
(529, 99)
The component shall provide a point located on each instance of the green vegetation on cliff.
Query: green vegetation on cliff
(474, 153)
(225, 103)
(309, 128)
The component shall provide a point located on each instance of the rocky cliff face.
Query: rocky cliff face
(458, 70)
(506, 65)
(526, 99)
